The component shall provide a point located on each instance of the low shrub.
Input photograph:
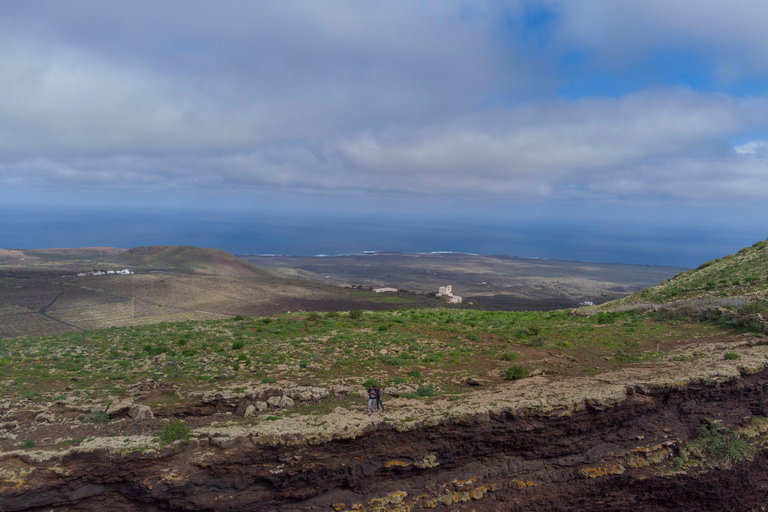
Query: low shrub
(370, 383)
(516, 372)
(356, 314)
(174, 431)
(753, 308)
(26, 445)
(730, 356)
(98, 416)
(237, 345)
(510, 356)
(416, 374)
(268, 380)
(722, 445)
(425, 391)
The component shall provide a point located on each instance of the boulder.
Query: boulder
(344, 390)
(119, 407)
(45, 417)
(141, 413)
(261, 406)
(286, 402)
(274, 401)
(249, 411)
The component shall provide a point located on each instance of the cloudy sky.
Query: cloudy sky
(632, 131)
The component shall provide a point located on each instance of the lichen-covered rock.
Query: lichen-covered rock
(249, 411)
(141, 413)
(45, 417)
(119, 407)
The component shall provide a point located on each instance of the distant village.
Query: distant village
(124, 272)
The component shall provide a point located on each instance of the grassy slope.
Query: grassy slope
(744, 274)
(435, 346)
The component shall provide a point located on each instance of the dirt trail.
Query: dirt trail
(43, 310)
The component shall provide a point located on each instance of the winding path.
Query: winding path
(43, 312)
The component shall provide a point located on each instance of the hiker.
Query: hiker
(379, 396)
(372, 394)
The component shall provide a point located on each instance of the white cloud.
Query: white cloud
(427, 97)
(755, 147)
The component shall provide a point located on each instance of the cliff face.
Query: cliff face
(617, 455)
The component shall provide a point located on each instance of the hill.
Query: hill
(744, 274)
(56, 256)
(189, 259)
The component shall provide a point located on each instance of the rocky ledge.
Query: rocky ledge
(632, 439)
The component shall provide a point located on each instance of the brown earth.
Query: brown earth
(605, 442)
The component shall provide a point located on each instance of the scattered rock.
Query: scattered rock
(249, 411)
(45, 417)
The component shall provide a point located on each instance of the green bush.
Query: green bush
(517, 372)
(730, 356)
(174, 431)
(425, 391)
(510, 356)
(313, 316)
(356, 314)
(27, 444)
(721, 444)
(370, 383)
(399, 380)
(753, 308)
(416, 374)
(98, 416)
(237, 345)
(331, 314)
(238, 318)
(268, 380)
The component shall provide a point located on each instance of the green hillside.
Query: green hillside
(744, 274)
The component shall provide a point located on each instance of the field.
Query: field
(39, 301)
(425, 347)
(492, 282)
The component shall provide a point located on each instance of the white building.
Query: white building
(446, 292)
(382, 290)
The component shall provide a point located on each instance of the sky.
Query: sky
(632, 132)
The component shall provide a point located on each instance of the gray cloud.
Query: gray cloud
(431, 97)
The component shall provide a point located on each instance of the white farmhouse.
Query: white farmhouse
(382, 290)
(446, 292)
